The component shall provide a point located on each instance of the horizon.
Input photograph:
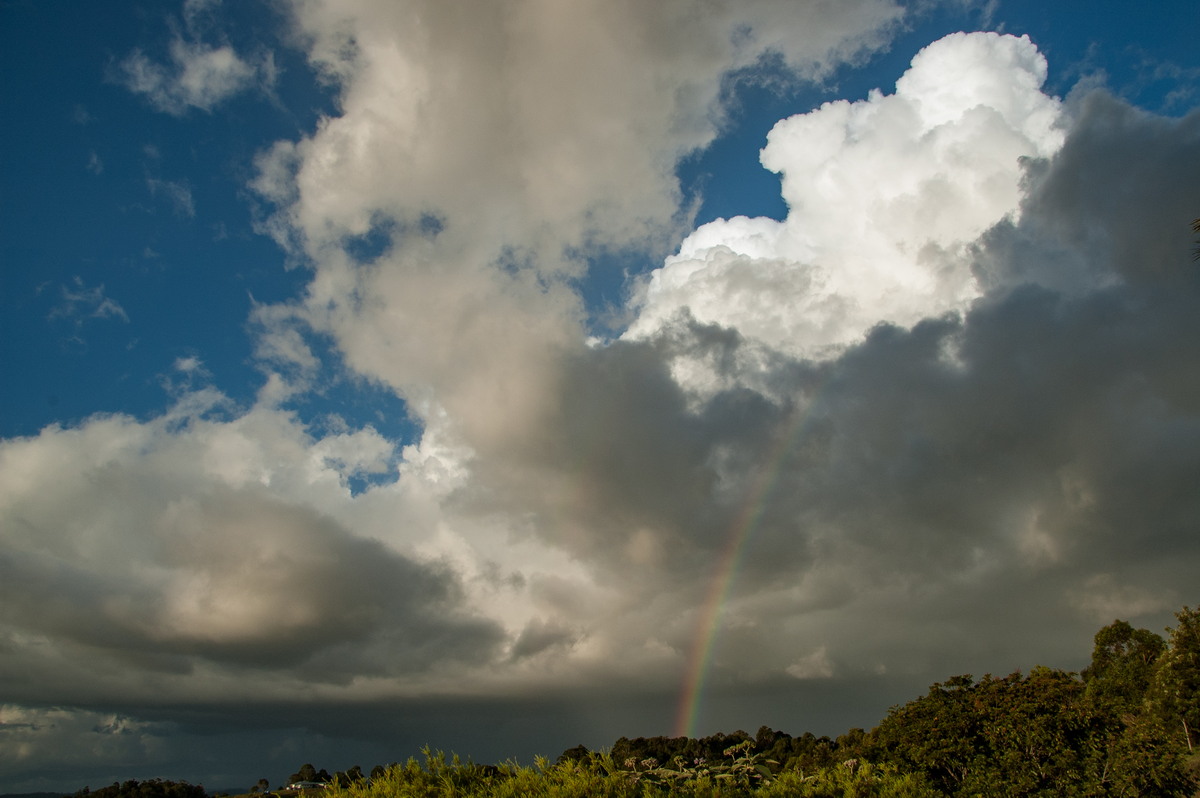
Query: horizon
(383, 376)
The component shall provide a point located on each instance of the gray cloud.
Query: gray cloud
(1029, 462)
(224, 575)
(1116, 203)
(155, 551)
(1023, 467)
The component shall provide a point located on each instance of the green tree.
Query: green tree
(938, 734)
(1143, 761)
(1123, 660)
(1015, 735)
(1175, 689)
(1036, 733)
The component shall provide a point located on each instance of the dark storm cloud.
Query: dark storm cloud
(1038, 453)
(133, 571)
(1116, 201)
(1026, 466)
(620, 457)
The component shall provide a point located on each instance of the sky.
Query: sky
(502, 377)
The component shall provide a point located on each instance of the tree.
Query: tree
(1143, 761)
(1175, 690)
(579, 753)
(1123, 661)
(1037, 733)
(937, 734)
(306, 773)
(1013, 735)
(154, 788)
(344, 778)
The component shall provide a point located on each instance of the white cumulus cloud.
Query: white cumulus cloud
(884, 195)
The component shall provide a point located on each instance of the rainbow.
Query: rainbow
(700, 654)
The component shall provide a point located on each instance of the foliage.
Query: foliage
(851, 779)
(1122, 662)
(1125, 726)
(1175, 686)
(806, 752)
(738, 769)
(154, 788)
(309, 773)
(739, 772)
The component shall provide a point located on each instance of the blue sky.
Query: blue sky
(478, 328)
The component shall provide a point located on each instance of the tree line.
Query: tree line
(1127, 725)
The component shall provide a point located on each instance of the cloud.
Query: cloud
(1040, 438)
(977, 464)
(941, 419)
(530, 133)
(55, 740)
(81, 303)
(1076, 231)
(178, 194)
(199, 75)
(189, 544)
(883, 195)
(539, 636)
(532, 125)
(812, 666)
(220, 552)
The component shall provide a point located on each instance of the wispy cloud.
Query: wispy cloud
(198, 74)
(80, 303)
(177, 193)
